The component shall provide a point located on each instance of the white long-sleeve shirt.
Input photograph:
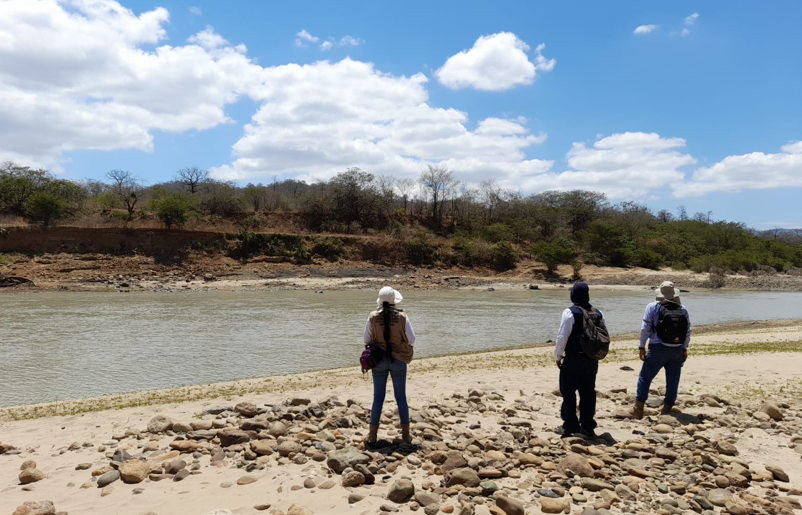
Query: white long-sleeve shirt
(566, 326)
(407, 329)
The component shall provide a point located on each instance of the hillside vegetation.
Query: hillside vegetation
(435, 219)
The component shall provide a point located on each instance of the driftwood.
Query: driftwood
(8, 281)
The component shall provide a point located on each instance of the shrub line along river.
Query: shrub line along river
(57, 346)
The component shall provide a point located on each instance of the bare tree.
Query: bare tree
(435, 179)
(127, 187)
(664, 216)
(192, 177)
(405, 187)
(490, 196)
(682, 214)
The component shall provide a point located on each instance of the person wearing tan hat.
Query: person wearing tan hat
(667, 327)
(388, 327)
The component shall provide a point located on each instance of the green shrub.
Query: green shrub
(5, 259)
(419, 252)
(648, 259)
(504, 257)
(45, 207)
(280, 245)
(576, 266)
(497, 233)
(553, 254)
(473, 253)
(329, 248)
(175, 209)
(250, 222)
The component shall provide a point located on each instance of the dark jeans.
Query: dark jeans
(660, 356)
(578, 373)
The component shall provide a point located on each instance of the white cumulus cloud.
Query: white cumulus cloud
(624, 166)
(305, 37)
(690, 20)
(644, 29)
(195, 10)
(495, 63)
(75, 75)
(748, 172)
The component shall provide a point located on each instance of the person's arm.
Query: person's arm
(368, 338)
(687, 336)
(566, 326)
(646, 329)
(410, 332)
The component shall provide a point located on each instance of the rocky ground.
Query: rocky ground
(733, 445)
(473, 453)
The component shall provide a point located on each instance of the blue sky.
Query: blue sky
(699, 107)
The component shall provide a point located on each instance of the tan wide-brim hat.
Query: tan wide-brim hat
(667, 292)
(388, 294)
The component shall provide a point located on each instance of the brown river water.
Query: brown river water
(58, 346)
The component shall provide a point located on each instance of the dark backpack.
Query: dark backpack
(371, 356)
(672, 324)
(594, 338)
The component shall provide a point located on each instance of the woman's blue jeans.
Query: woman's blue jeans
(660, 356)
(398, 371)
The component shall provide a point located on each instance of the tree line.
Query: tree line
(435, 218)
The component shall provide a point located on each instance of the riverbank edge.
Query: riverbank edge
(532, 355)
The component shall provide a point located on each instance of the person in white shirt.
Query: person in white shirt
(577, 369)
(389, 328)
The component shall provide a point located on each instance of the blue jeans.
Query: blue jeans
(398, 371)
(660, 356)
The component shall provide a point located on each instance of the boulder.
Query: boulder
(772, 409)
(159, 424)
(134, 471)
(548, 505)
(262, 447)
(231, 437)
(725, 447)
(108, 478)
(511, 506)
(345, 458)
(31, 475)
(353, 478)
(463, 476)
(576, 464)
(247, 409)
(288, 447)
(778, 473)
(36, 508)
(401, 491)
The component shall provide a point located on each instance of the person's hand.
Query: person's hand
(684, 354)
(643, 354)
(559, 363)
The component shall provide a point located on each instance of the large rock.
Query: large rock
(778, 473)
(353, 478)
(510, 506)
(772, 409)
(262, 447)
(247, 409)
(719, 497)
(108, 478)
(231, 437)
(576, 464)
(401, 491)
(595, 485)
(288, 447)
(297, 509)
(36, 508)
(160, 424)
(185, 445)
(549, 505)
(134, 471)
(31, 475)
(725, 447)
(464, 476)
(427, 498)
(277, 429)
(345, 458)
(454, 461)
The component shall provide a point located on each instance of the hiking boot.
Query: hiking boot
(637, 410)
(405, 435)
(588, 434)
(373, 435)
(565, 433)
(666, 409)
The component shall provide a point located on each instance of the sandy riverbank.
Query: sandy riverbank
(489, 407)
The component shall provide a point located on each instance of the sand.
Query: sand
(745, 363)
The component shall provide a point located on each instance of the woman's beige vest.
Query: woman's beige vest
(402, 349)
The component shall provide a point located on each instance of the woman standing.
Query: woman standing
(388, 327)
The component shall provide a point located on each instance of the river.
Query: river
(59, 346)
